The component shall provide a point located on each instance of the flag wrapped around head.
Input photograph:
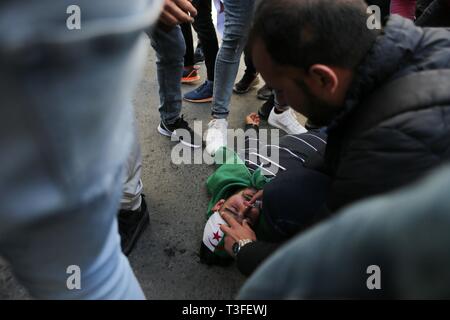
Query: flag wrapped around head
(213, 237)
(231, 176)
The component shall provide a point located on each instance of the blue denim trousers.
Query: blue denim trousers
(238, 19)
(170, 48)
(65, 133)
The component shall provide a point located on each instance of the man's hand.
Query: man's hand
(176, 12)
(257, 196)
(235, 232)
(253, 119)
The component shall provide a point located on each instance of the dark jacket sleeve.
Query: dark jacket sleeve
(253, 254)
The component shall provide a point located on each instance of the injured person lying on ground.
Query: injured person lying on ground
(270, 205)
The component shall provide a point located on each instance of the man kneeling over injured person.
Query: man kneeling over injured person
(291, 200)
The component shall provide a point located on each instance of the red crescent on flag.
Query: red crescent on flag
(212, 243)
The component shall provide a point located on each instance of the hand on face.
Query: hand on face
(235, 232)
(241, 206)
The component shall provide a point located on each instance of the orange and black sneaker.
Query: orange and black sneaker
(190, 74)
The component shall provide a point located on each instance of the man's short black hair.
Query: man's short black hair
(301, 33)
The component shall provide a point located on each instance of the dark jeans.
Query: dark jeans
(204, 27)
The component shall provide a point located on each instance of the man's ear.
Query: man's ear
(218, 205)
(324, 77)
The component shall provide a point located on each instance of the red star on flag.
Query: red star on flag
(217, 236)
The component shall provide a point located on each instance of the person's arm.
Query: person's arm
(251, 255)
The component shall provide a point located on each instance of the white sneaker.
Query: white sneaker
(286, 121)
(216, 135)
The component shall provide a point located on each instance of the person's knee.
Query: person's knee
(170, 47)
(232, 47)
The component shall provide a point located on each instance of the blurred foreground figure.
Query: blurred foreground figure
(405, 234)
(65, 133)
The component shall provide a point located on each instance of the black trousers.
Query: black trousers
(187, 34)
(250, 67)
(206, 32)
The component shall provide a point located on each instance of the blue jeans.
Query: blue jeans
(65, 132)
(170, 48)
(238, 18)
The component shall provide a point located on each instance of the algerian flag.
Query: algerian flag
(212, 235)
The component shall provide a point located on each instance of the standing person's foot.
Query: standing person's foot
(266, 108)
(247, 82)
(181, 131)
(264, 93)
(132, 224)
(216, 135)
(190, 74)
(286, 121)
(204, 93)
(198, 55)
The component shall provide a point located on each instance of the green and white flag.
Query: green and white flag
(212, 235)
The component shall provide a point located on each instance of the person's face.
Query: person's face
(235, 206)
(317, 94)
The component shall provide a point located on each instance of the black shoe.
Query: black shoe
(266, 108)
(198, 55)
(264, 93)
(181, 131)
(246, 83)
(131, 226)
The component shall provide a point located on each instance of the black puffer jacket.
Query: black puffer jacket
(404, 146)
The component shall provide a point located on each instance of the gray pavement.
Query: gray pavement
(165, 259)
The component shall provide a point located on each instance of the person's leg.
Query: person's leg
(206, 32)
(283, 117)
(186, 29)
(250, 67)
(84, 237)
(204, 27)
(170, 49)
(133, 215)
(132, 183)
(198, 54)
(238, 18)
(250, 77)
(65, 131)
(190, 73)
